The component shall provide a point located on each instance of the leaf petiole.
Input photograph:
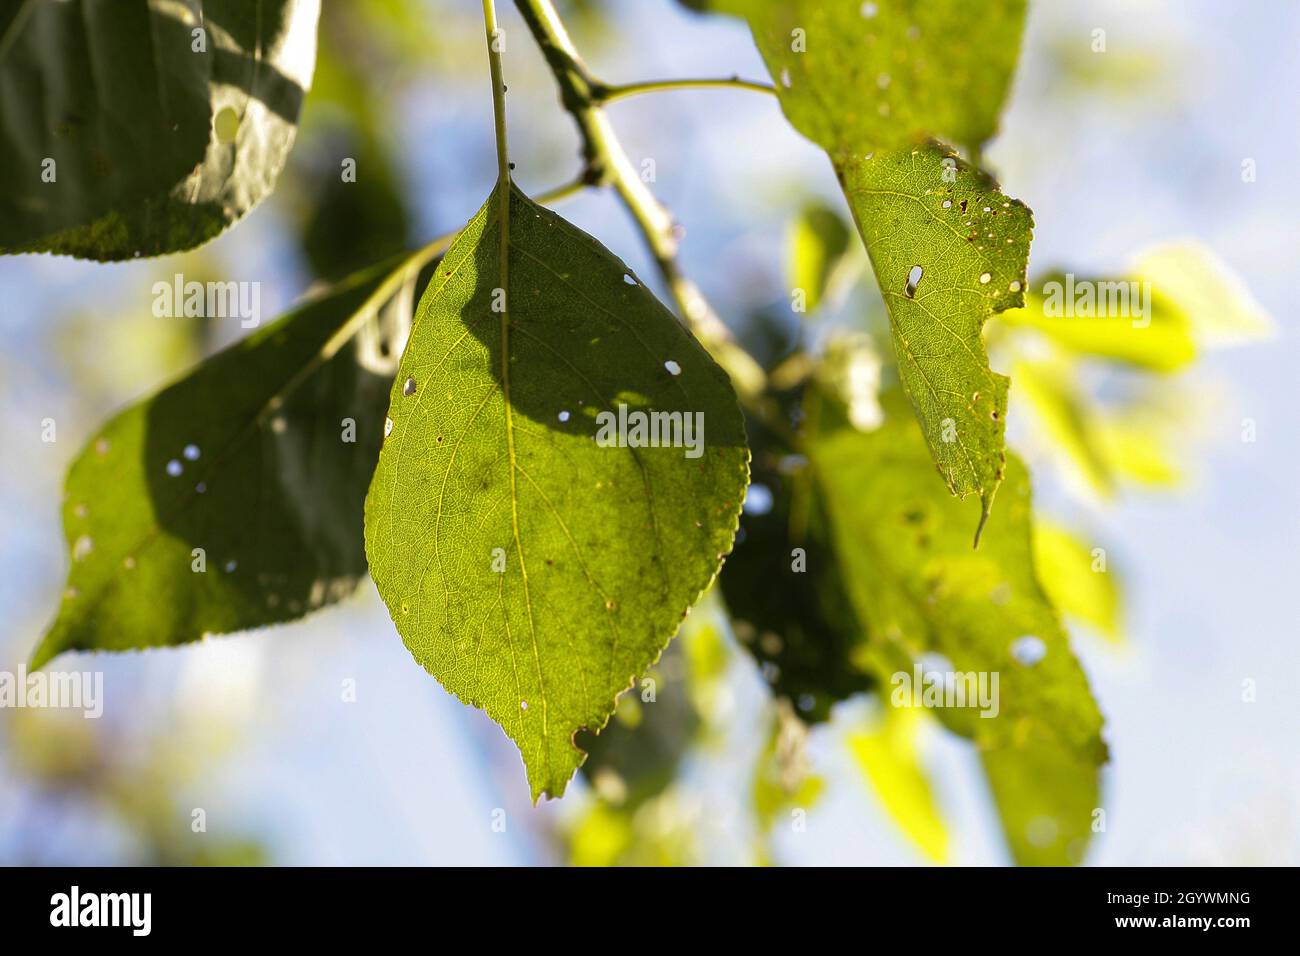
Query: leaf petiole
(607, 92)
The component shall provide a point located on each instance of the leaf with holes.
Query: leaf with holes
(949, 250)
(157, 124)
(930, 601)
(231, 499)
(535, 549)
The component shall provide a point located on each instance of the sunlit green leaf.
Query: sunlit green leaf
(924, 592)
(1077, 577)
(1070, 425)
(816, 244)
(1219, 307)
(887, 753)
(1048, 798)
(233, 498)
(1117, 319)
(858, 77)
(1174, 301)
(949, 250)
(534, 571)
(157, 123)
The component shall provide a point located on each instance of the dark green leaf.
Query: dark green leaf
(141, 127)
(250, 458)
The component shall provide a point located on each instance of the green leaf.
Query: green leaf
(859, 77)
(886, 751)
(922, 591)
(250, 457)
(1194, 281)
(948, 249)
(816, 244)
(869, 82)
(144, 127)
(785, 590)
(1174, 301)
(1148, 331)
(1047, 798)
(530, 569)
(1049, 388)
(638, 753)
(1077, 578)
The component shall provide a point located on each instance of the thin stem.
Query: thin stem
(605, 93)
(495, 39)
(609, 164)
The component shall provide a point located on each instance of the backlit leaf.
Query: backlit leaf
(949, 250)
(250, 458)
(532, 570)
(1049, 390)
(1176, 300)
(859, 77)
(1077, 577)
(1122, 320)
(816, 244)
(929, 599)
(887, 753)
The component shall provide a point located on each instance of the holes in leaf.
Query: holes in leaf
(913, 280)
(1028, 650)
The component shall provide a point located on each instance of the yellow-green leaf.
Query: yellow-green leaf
(856, 77)
(815, 246)
(887, 753)
(923, 592)
(230, 499)
(1077, 577)
(949, 250)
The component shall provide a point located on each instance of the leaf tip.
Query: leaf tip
(986, 508)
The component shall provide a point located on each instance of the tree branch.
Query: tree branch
(608, 164)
